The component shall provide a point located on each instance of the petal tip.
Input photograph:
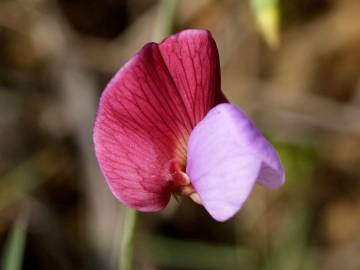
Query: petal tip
(222, 213)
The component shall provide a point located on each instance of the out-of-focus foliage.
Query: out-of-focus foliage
(14, 247)
(57, 55)
(267, 15)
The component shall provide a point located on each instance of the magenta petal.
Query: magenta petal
(193, 62)
(227, 155)
(147, 112)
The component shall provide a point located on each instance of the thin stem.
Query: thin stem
(167, 10)
(127, 247)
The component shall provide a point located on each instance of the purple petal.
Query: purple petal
(227, 155)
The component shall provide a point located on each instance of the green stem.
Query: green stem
(127, 247)
(167, 10)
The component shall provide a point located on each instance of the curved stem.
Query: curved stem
(127, 247)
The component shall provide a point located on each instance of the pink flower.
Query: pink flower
(164, 127)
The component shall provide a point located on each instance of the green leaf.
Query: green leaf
(14, 247)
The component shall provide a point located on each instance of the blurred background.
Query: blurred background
(300, 83)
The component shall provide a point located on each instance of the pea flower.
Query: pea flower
(164, 127)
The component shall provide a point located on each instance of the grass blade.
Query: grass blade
(15, 246)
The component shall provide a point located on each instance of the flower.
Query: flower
(164, 127)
